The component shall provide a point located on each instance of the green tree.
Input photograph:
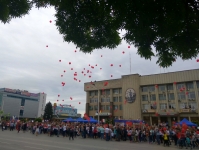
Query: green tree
(48, 111)
(38, 120)
(170, 27)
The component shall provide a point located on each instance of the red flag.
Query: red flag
(86, 117)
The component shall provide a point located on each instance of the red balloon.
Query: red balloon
(69, 63)
(128, 46)
(111, 64)
(61, 75)
(79, 102)
(123, 52)
(111, 75)
(46, 45)
(59, 60)
(50, 21)
(71, 68)
(120, 65)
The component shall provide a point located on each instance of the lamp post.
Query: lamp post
(98, 118)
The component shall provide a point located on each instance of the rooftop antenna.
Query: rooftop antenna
(130, 61)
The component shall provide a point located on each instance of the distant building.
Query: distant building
(64, 110)
(22, 104)
(155, 98)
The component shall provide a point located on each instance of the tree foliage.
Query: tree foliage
(165, 29)
(48, 111)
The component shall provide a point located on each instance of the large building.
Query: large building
(154, 98)
(22, 104)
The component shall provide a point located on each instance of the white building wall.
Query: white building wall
(11, 106)
(30, 109)
(41, 104)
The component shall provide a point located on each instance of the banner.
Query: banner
(10, 90)
(25, 94)
(130, 124)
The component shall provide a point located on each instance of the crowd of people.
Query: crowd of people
(180, 136)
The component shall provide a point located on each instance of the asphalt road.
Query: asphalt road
(11, 140)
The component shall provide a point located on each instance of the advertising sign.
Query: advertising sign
(10, 90)
(24, 93)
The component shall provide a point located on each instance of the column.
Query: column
(150, 120)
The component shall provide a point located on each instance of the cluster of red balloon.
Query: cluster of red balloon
(85, 72)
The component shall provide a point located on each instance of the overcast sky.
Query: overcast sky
(27, 64)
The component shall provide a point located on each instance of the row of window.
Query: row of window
(105, 107)
(106, 99)
(105, 92)
(169, 96)
(190, 105)
(188, 86)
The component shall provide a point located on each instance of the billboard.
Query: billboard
(24, 93)
(65, 111)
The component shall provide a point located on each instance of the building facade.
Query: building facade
(22, 104)
(154, 98)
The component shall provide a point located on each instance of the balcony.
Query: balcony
(188, 110)
(148, 110)
(168, 112)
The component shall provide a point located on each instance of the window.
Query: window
(144, 97)
(96, 100)
(145, 106)
(21, 112)
(172, 106)
(151, 88)
(22, 101)
(92, 93)
(171, 96)
(115, 91)
(93, 100)
(183, 106)
(197, 83)
(115, 107)
(191, 95)
(193, 106)
(107, 107)
(170, 87)
(103, 107)
(107, 92)
(189, 85)
(163, 106)
(108, 99)
(161, 87)
(115, 99)
(103, 100)
(120, 99)
(180, 85)
(90, 107)
(144, 89)
(152, 97)
(120, 91)
(120, 107)
(181, 96)
(95, 107)
(162, 97)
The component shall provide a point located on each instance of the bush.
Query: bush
(38, 120)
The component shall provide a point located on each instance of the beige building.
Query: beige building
(154, 98)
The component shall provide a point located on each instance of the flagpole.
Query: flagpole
(98, 106)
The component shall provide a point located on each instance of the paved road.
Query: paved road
(11, 140)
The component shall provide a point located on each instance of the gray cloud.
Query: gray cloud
(26, 62)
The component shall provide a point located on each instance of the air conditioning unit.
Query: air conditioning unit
(193, 99)
(169, 100)
(179, 100)
(190, 99)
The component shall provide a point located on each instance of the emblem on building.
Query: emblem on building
(130, 95)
